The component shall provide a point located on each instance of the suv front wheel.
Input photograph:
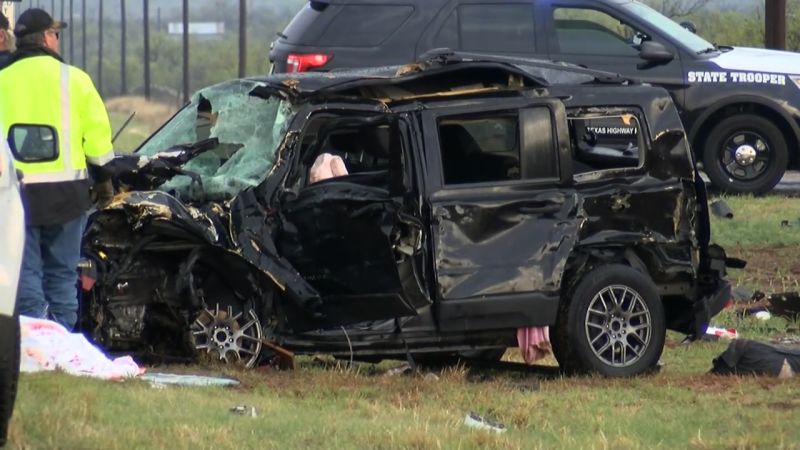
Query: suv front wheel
(613, 324)
(745, 153)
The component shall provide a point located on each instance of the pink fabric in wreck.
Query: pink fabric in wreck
(326, 166)
(534, 343)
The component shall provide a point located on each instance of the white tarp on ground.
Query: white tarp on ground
(47, 345)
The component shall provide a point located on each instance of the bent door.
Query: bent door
(343, 226)
(503, 218)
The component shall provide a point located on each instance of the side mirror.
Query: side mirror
(655, 52)
(33, 143)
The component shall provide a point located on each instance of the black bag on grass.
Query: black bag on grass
(745, 357)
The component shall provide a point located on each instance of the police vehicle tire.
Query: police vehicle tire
(592, 329)
(9, 370)
(749, 129)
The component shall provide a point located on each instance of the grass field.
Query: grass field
(148, 117)
(328, 404)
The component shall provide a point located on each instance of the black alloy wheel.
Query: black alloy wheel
(745, 153)
(612, 324)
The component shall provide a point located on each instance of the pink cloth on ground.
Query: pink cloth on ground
(534, 343)
(326, 166)
(46, 345)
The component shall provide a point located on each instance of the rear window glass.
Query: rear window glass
(299, 28)
(364, 25)
(496, 28)
(480, 149)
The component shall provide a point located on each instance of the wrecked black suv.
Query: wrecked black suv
(419, 211)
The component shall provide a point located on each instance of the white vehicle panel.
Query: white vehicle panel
(12, 231)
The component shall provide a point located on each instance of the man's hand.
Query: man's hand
(103, 193)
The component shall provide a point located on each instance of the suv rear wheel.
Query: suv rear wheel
(745, 153)
(613, 324)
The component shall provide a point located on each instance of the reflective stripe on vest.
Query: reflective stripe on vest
(55, 177)
(68, 172)
(66, 120)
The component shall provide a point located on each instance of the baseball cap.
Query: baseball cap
(36, 20)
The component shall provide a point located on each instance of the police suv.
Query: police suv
(738, 105)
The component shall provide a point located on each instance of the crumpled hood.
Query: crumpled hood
(759, 60)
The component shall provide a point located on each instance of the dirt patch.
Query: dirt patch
(769, 269)
(710, 384)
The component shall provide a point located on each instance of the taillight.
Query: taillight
(305, 62)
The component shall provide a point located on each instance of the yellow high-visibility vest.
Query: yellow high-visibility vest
(41, 90)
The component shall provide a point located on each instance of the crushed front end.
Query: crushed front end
(163, 273)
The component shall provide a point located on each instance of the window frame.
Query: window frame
(557, 47)
(343, 9)
(531, 48)
(645, 146)
(560, 139)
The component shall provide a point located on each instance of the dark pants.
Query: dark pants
(48, 282)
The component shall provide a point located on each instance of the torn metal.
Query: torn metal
(219, 243)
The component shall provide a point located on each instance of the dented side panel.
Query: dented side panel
(516, 242)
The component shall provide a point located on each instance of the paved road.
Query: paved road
(790, 184)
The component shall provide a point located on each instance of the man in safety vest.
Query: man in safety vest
(38, 88)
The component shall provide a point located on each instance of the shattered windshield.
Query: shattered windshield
(249, 130)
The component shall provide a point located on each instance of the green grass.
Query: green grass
(333, 406)
(132, 136)
(758, 222)
(316, 407)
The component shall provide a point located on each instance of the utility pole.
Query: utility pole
(100, 49)
(61, 41)
(186, 51)
(775, 24)
(123, 51)
(71, 34)
(146, 49)
(83, 34)
(242, 38)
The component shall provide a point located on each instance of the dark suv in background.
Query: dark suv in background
(738, 105)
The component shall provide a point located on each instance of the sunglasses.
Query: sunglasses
(55, 32)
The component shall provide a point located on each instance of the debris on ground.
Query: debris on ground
(244, 410)
(187, 380)
(763, 306)
(786, 304)
(402, 369)
(407, 369)
(741, 294)
(786, 340)
(721, 209)
(745, 357)
(714, 333)
(46, 346)
(475, 420)
(762, 315)
(282, 358)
